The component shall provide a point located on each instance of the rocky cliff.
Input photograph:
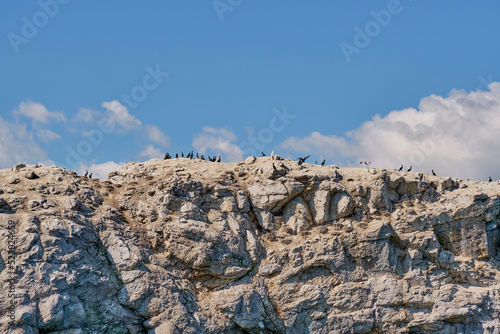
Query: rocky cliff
(261, 246)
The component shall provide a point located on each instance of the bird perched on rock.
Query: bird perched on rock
(90, 176)
(176, 155)
(197, 156)
(302, 160)
(433, 173)
(167, 156)
(262, 154)
(409, 169)
(489, 179)
(218, 160)
(421, 177)
(182, 154)
(202, 157)
(323, 163)
(400, 168)
(367, 163)
(86, 173)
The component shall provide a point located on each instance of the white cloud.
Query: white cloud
(220, 141)
(118, 116)
(157, 136)
(329, 146)
(150, 152)
(87, 115)
(47, 135)
(18, 145)
(457, 135)
(39, 113)
(99, 171)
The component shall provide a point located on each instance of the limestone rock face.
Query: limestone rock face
(261, 246)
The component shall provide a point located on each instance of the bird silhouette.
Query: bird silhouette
(218, 160)
(323, 163)
(433, 173)
(367, 163)
(489, 179)
(176, 155)
(409, 169)
(182, 154)
(400, 168)
(302, 160)
(90, 176)
(86, 173)
(262, 154)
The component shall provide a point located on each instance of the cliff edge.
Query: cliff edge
(260, 246)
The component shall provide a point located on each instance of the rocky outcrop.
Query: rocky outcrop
(190, 246)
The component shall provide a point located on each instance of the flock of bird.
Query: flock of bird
(301, 160)
(190, 155)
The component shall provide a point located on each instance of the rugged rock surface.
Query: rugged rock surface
(189, 246)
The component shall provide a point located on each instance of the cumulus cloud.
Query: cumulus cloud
(87, 115)
(39, 113)
(220, 141)
(99, 171)
(455, 135)
(150, 152)
(18, 145)
(118, 117)
(157, 136)
(47, 135)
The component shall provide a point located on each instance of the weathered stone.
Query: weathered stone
(189, 246)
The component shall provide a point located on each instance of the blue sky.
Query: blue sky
(233, 66)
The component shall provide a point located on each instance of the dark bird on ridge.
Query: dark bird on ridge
(409, 169)
(433, 173)
(262, 154)
(90, 176)
(202, 157)
(86, 173)
(197, 156)
(489, 179)
(176, 155)
(323, 163)
(218, 159)
(400, 168)
(367, 163)
(182, 154)
(302, 160)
